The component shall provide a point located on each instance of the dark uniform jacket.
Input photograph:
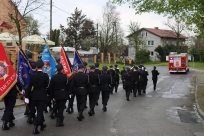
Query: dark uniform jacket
(155, 73)
(59, 86)
(127, 79)
(111, 72)
(123, 71)
(14, 91)
(39, 83)
(79, 83)
(97, 71)
(117, 72)
(93, 84)
(135, 75)
(105, 82)
(143, 76)
(146, 72)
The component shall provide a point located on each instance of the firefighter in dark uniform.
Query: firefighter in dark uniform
(99, 72)
(105, 87)
(142, 80)
(117, 78)
(135, 75)
(128, 83)
(39, 83)
(10, 101)
(111, 72)
(146, 80)
(79, 86)
(123, 72)
(155, 73)
(93, 89)
(59, 90)
(86, 72)
(31, 106)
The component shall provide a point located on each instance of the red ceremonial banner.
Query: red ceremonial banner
(64, 62)
(8, 76)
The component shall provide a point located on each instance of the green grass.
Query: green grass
(198, 65)
(120, 66)
(200, 97)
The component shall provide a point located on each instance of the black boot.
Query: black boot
(97, 103)
(52, 114)
(93, 112)
(79, 117)
(11, 124)
(35, 129)
(104, 108)
(26, 112)
(59, 122)
(90, 112)
(4, 126)
(29, 121)
(42, 127)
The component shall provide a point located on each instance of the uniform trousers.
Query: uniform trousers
(136, 88)
(142, 84)
(60, 107)
(155, 84)
(128, 90)
(116, 84)
(93, 98)
(145, 86)
(40, 106)
(105, 97)
(9, 102)
(71, 101)
(81, 102)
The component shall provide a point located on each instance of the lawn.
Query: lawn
(198, 65)
(200, 97)
(120, 66)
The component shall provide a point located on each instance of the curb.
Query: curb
(16, 105)
(201, 113)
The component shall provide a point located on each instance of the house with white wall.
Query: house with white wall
(151, 38)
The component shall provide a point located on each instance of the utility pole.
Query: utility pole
(50, 19)
(97, 37)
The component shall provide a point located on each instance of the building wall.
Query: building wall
(5, 8)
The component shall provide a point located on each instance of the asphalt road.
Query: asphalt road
(169, 111)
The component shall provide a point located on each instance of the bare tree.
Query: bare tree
(176, 26)
(110, 31)
(18, 10)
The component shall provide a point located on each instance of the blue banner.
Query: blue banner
(50, 64)
(24, 70)
(77, 60)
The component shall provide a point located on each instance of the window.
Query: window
(151, 53)
(150, 43)
(10, 44)
(146, 34)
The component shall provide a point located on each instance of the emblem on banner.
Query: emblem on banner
(3, 70)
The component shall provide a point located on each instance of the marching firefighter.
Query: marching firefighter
(105, 87)
(135, 75)
(128, 83)
(155, 74)
(59, 90)
(117, 78)
(10, 101)
(39, 83)
(79, 86)
(111, 72)
(99, 72)
(93, 89)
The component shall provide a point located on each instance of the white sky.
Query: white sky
(93, 10)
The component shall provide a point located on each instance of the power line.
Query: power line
(61, 9)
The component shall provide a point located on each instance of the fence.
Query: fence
(93, 58)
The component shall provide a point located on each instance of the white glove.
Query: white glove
(26, 100)
(22, 92)
(53, 99)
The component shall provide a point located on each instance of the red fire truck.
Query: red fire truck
(178, 62)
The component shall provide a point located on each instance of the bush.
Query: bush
(142, 56)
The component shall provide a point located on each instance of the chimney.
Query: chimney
(156, 27)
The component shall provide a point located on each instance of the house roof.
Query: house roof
(161, 33)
